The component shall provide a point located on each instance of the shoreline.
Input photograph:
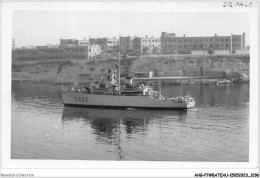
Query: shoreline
(217, 69)
(173, 82)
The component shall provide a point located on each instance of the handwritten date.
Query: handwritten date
(233, 4)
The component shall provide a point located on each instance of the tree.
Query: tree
(210, 51)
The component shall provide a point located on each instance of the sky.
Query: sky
(47, 27)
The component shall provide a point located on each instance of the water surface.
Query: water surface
(216, 129)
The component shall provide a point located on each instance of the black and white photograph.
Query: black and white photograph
(122, 82)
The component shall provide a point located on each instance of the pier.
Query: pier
(154, 79)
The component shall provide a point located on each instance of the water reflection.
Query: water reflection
(43, 128)
(136, 117)
(112, 127)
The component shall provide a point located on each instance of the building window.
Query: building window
(227, 45)
(201, 40)
(227, 39)
(216, 39)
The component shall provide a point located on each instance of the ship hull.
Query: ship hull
(78, 99)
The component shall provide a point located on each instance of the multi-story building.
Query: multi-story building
(130, 45)
(112, 44)
(25, 54)
(107, 44)
(94, 50)
(81, 52)
(150, 45)
(140, 45)
(13, 43)
(125, 44)
(170, 43)
(84, 42)
(72, 42)
(67, 42)
(47, 53)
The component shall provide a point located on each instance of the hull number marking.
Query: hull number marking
(81, 99)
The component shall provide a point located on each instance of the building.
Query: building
(67, 42)
(58, 52)
(25, 54)
(150, 45)
(171, 44)
(112, 45)
(84, 42)
(126, 44)
(130, 45)
(13, 43)
(81, 52)
(93, 51)
(108, 45)
(140, 45)
(74, 42)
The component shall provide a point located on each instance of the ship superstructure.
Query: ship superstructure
(108, 92)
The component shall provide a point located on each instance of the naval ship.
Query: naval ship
(108, 93)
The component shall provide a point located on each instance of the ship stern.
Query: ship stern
(191, 104)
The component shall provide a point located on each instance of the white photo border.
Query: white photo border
(124, 168)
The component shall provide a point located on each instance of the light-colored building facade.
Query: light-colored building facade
(171, 44)
(150, 45)
(94, 50)
(112, 44)
(51, 53)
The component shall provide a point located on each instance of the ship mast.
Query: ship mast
(160, 82)
(119, 92)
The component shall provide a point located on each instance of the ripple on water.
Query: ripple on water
(42, 128)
